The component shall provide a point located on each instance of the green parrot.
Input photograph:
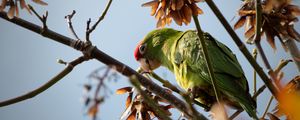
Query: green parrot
(182, 54)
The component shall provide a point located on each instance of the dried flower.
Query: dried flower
(14, 8)
(289, 100)
(278, 18)
(180, 11)
(137, 108)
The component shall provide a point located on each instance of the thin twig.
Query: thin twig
(87, 34)
(281, 64)
(69, 20)
(257, 37)
(99, 85)
(207, 59)
(273, 89)
(105, 59)
(235, 114)
(259, 91)
(254, 53)
(43, 19)
(46, 86)
(90, 30)
(268, 106)
(153, 105)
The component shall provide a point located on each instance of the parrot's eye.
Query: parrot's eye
(142, 49)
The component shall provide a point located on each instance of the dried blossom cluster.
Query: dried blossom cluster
(137, 108)
(180, 11)
(289, 100)
(278, 19)
(95, 94)
(14, 8)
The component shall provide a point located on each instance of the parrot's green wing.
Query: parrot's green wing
(230, 79)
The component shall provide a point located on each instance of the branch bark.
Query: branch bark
(47, 85)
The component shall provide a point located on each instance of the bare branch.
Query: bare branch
(268, 106)
(69, 20)
(90, 30)
(46, 86)
(167, 84)
(254, 53)
(87, 34)
(43, 19)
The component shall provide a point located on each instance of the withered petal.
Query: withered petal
(40, 2)
(187, 13)
(195, 9)
(272, 116)
(11, 12)
(173, 5)
(177, 17)
(295, 10)
(168, 19)
(17, 10)
(250, 32)
(270, 38)
(282, 43)
(161, 22)
(22, 4)
(150, 4)
(240, 22)
(132, 115)
(129, 100)
(159, 13)
(248, 22)
(93, 110)
(3, 5)
(179, 4)
(246, 12)
(250, 40)
(124, 90)
(154, 9)
(293, 33)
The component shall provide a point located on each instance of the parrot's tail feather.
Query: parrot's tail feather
(249, 105)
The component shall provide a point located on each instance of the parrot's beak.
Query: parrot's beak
(148, 65)
(144, 64)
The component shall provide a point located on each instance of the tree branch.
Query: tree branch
(69, 20)
(207, 59)
(90, 30)
(46, 86)
(167, 84)
(108, 60)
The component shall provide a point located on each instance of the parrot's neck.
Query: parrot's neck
(167, 49)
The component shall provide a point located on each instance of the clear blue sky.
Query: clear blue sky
(28, 60)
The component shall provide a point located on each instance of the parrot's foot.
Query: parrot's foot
(203, 97)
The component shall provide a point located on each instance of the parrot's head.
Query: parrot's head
(150, 52)
(143, 53)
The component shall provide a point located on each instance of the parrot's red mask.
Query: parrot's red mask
(146, 64)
